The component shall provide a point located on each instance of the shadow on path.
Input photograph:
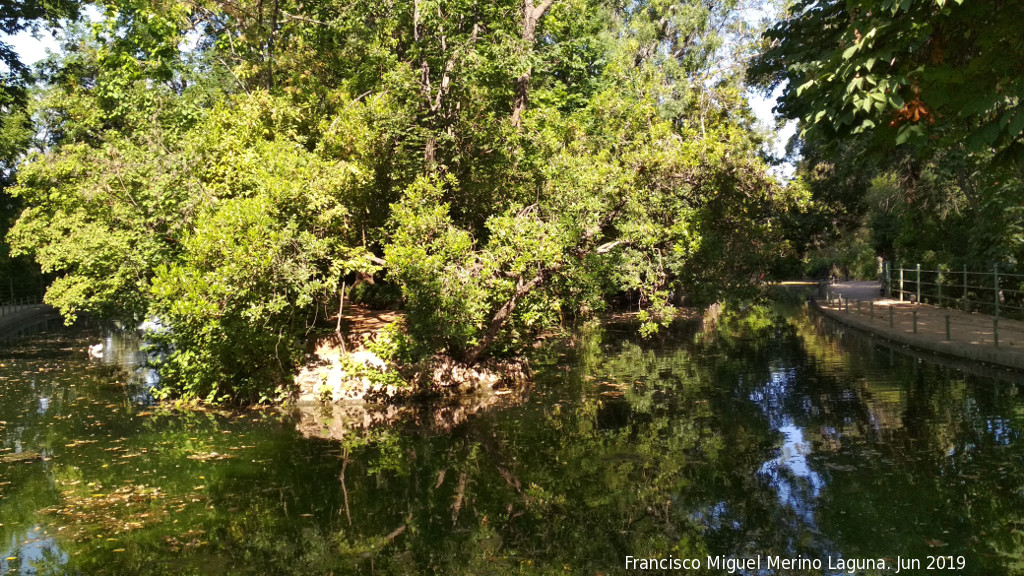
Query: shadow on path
(973, 336)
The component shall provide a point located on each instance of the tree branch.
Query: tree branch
(541, 8)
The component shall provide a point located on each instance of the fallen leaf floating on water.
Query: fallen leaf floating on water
(209, 456)
(80, 442)
(20, 457)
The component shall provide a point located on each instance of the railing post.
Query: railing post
(938, 284)
(995, 271)
(871, 309)
(901, 284)
(914, 314)
(995, 331)
(965, 289)
(947, 326)
(918, 283)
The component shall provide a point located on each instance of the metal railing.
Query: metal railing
(16, 305)
(997, 292)
(900, 316)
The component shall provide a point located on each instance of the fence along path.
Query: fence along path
(971, 335)
(19, 314)
(994, 291)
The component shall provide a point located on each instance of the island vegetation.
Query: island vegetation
(237, 172)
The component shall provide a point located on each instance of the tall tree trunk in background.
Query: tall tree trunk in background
(274, 15)
(439, 110)
(531, 15)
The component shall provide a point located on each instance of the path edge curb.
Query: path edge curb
(1013, 360)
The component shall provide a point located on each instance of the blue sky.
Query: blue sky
(32, 49)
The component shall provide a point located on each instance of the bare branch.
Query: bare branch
(541, 8)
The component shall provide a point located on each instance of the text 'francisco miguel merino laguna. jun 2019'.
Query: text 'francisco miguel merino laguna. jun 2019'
(833, 564)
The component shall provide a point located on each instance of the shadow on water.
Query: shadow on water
(766, 433)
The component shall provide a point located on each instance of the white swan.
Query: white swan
(96, 350)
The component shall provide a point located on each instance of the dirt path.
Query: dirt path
(978, 337)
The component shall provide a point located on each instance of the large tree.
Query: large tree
(512, 167)
(16, 130)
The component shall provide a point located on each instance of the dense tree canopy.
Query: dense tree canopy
(932, 72)
(512, 167)
(15, 126)
(911, 116)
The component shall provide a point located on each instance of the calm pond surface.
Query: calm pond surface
(768, 435)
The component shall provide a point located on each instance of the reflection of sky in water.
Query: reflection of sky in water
(125, 349)
(772, 396)
(798, 486)
(995, 430)
(1001, 430)
(32, 550)
(789, 473)
(147, 379)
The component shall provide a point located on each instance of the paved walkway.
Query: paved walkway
(971, 336)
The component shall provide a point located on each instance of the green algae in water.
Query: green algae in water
(764, 435)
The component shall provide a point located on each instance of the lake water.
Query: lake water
(769, 437)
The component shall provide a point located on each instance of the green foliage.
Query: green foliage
(626, 204)
(850, 255)
(266, 250)
(19, 16)
(227, 168)
(919, 93)
(393, 345)
(452, 289)
(230, 232)
(16, 128)
(15, 137)
(932, 73)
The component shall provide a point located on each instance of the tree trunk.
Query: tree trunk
(531, 15)
(501, 316)
(430, 154)
(523, 287)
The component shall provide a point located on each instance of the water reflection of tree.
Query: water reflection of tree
(631, 456)
(624, 448)
(34, 393)
(918, 453)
